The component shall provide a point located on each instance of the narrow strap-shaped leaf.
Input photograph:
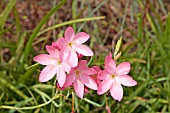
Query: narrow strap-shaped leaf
(37, 29)
(5, 13)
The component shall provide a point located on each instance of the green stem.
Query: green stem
(93, 103)
(28, 108)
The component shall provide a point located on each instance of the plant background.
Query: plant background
(26, 26)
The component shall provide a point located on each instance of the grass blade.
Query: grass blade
(5, 13)
(70, 22)
(37, 29)
(14, 89)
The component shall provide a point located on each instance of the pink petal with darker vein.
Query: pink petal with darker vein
(110, 65)
(81, 65)
(69, 34)
(69, 79)
(81, 37)
(44, 59)
(88, 81)
(116, 91)
(52, 51)
(79, 88)
(103, 75)
(83, 49)
(104, 86)
(61, 76)
(61, 43)
(123, 68)
(88, 71)
(72, 58)
(47, 73)
(126, 80)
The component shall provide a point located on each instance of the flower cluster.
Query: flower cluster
(62, 60)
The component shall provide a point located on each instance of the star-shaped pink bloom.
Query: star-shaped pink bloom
(79, 76)
(113, 77)
(55, 62)
(72, 43)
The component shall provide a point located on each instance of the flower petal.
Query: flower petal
(97, 68)
(69, 79)
(79, 88)
(123, 68)
(116, 91)
(104, 86)
(88, 81)
(81, 37)
(110, 65)
(44, 59)
(66, 66)
(81, 64)
(61, 42)
(61, 76)
(47, 73)
(88, 71)
(55, 45)
(102, 75)
(64, 54)
(52, 51)
(69, 34)
(83, 49)
(72, 58)
(69, 58)
(126, 80)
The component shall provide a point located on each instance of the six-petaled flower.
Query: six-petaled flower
(55, 62)
(73, 44)
(113, 77)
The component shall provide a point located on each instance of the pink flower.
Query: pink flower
(55, 45)
(97, 71)
(55, 62)
(79, 76)
(72, 43)
(113, 77)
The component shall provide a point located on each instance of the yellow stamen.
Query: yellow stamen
(70, 44)
(58, 62)
(112, 76)
(77, 72)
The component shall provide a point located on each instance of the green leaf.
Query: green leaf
(5, 13)
(74, 12)
(13, 88)
(91, 61)
(70, 22)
